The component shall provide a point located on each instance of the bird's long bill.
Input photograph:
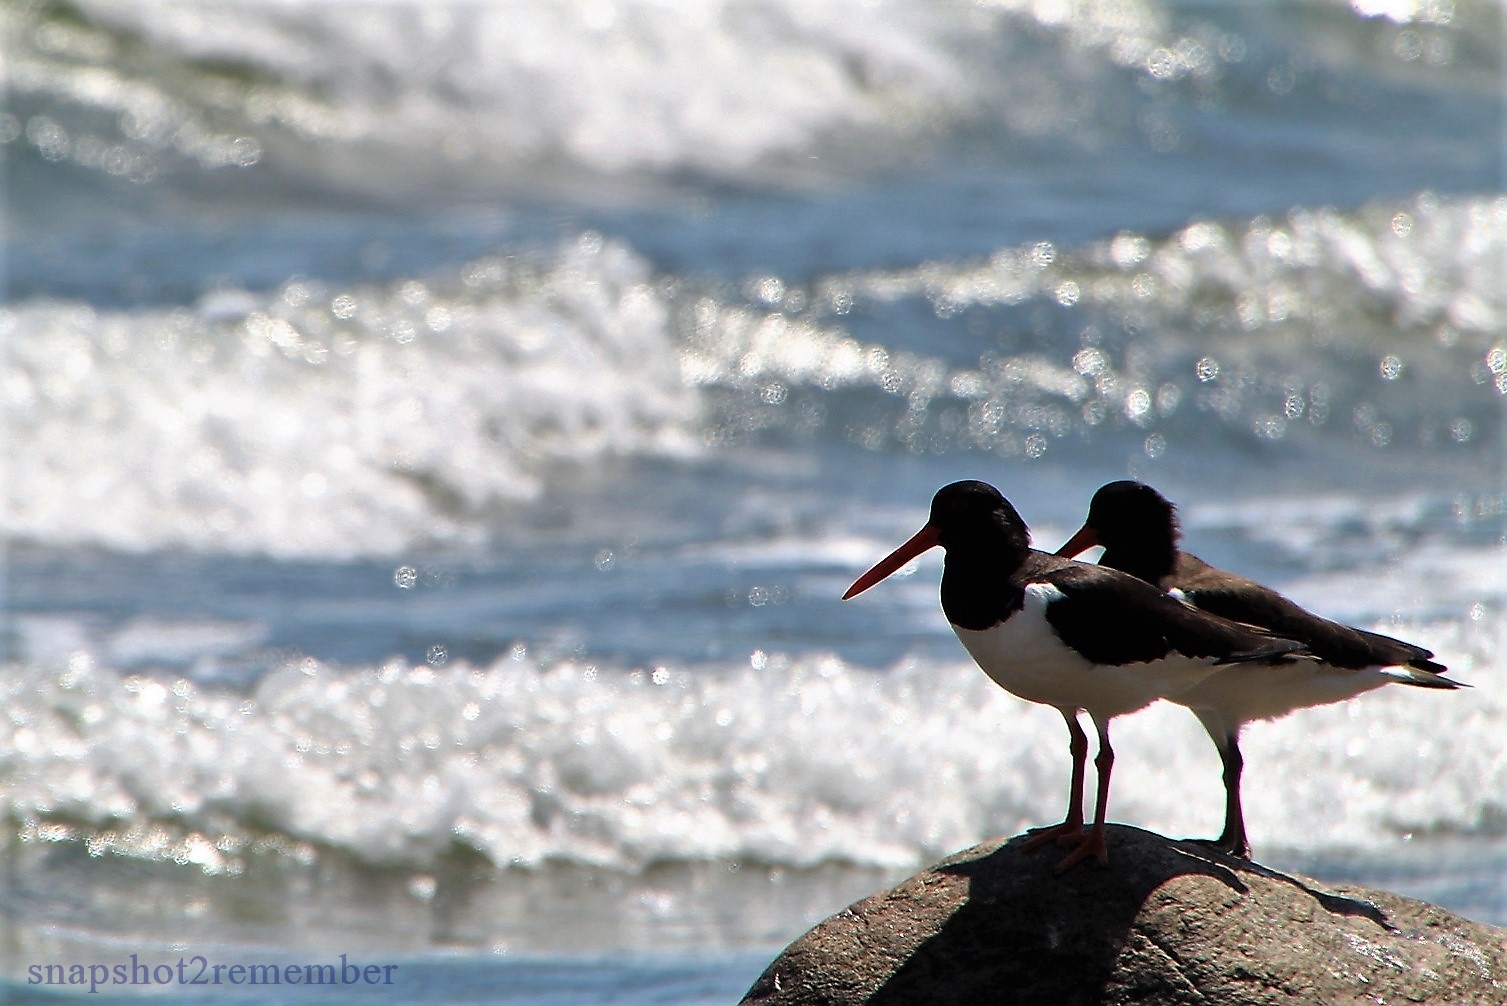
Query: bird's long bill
(1079, 543)
(919, 542)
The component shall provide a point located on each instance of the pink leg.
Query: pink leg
(1071, 828)
(1232, 839)
(1226, 737)
(1092, 844)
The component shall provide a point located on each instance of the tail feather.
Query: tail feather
(1422, 678)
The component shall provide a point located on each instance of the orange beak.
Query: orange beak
(1079, 543)
(919, 542)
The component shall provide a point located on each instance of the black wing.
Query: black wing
(1112, 618)
(1239, 599)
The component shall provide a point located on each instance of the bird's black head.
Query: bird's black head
(1129, 514)
(978, 527)
(975, 515)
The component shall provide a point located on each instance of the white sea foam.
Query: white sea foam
(383, 94)
(1265, 329)
(1431, 264)
(335, 420)
(477, 89)
(783, 761)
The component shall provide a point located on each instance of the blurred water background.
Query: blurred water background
(437, 436)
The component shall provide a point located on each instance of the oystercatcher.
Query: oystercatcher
(1138, 530)
(1066, 634)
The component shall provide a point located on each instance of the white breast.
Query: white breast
(1024, 656)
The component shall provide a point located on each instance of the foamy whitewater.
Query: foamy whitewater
(439, 435)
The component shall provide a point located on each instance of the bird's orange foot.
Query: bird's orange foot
(1066, 833)
(1091, 844)
(1237, 850)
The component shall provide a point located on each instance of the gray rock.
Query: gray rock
(1166, 922)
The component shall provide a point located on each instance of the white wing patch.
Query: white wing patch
(1046, 592)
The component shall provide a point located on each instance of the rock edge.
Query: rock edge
(1167, 922)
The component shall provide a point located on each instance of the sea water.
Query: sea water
(438, 436)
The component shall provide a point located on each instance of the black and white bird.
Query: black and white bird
(1076, 637)
(1138, 530)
